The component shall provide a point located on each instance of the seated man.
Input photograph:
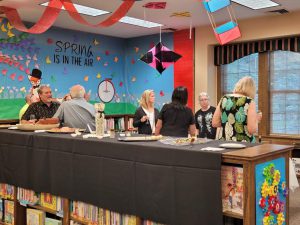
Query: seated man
(45, 108)
(77, 112)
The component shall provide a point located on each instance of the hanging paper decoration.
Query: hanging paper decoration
(228, 31)
(155, 5)
(215, 5)
(52, 11)
(181, 14)
(160, 57)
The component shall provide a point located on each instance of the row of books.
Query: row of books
(97, 216)
(6, 191)
(7, 211)
(87, 213)
(38, 217)
(114, 124)
(29, 197)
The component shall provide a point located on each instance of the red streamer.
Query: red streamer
(52, 11)
(45, 22)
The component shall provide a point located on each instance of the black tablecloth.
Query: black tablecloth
(163, 183)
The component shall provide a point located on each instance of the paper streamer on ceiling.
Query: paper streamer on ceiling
(52, 11)
(114, 18)
(44, 23)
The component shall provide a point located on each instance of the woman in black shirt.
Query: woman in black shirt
(146, 115)
(175, 118)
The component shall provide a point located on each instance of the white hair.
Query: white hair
(77, 91)
(202, 94)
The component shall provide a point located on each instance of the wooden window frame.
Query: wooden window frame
(263, 101)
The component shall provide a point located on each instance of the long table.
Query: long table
(168, 184)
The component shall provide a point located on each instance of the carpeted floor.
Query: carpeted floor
(295, 207)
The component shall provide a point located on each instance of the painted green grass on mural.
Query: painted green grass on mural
(9, 108)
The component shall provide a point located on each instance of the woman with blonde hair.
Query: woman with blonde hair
(146, 115)
(236, 113)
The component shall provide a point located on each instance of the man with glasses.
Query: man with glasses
(204, 117)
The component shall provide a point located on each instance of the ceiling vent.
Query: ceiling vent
(280, 11)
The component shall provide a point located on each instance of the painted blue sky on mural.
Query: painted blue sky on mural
(69, 57)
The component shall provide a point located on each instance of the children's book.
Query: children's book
(48, 201)
(50, 221)
(35, 217)
(232, 189)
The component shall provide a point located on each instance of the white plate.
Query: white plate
(32, 127)
(232, 145)
(213, 149)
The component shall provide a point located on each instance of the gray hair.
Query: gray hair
(77, 91)
(201, 94)
(41, 88)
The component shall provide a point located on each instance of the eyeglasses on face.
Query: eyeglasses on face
(205, 99)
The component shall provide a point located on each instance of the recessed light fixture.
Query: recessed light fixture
(256, 4)
(85, 10)
(98, 12)
(139, 22)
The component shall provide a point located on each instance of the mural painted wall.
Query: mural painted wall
(69, 57)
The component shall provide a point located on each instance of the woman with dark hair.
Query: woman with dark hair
(175, 118)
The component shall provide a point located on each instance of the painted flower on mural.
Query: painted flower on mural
(271, 191)
(265, 189)
(268, 220)
(280, 218)
(262, 202)
(276, 177)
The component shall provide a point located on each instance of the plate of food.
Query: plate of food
(184, 141)
(62, 130)
(35, 126)
(232, 145)
(140, 138)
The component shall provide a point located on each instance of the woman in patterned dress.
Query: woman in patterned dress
(236, 113)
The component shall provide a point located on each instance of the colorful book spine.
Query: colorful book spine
(9, 212)
(1, 210)
(7, 191)
(48, 201)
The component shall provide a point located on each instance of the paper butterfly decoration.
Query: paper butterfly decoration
(160, 57)
(155, 5)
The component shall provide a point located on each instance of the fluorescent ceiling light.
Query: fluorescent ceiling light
(126, 19)
(256, 4)
(139, 22)
(85, 10)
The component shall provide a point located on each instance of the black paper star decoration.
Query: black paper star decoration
(160, 57)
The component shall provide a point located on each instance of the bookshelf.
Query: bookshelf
(116, 117)
(246, 158)
(250, 159)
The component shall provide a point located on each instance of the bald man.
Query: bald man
(77, 112)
